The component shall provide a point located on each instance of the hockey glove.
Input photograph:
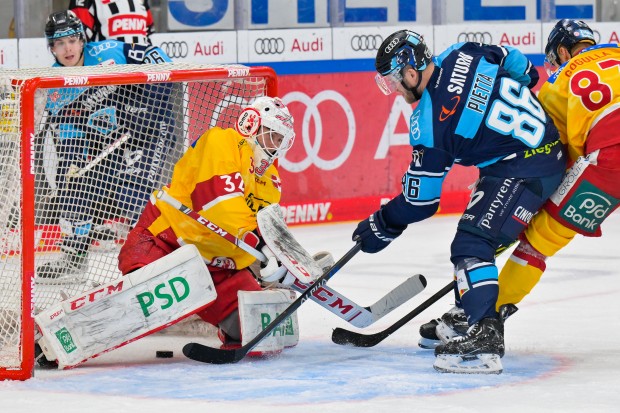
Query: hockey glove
(374, 234)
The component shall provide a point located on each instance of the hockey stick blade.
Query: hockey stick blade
(411, 287)
(347, 337)
(363, 316)
(205, 354)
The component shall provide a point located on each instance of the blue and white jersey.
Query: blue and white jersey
(477, 110)
(107, 52)
(75, 110)
(478, 106)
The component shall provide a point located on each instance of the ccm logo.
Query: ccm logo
(95, 295)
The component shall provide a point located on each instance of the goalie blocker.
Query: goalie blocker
(136, 305)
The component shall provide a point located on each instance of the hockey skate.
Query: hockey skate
(68, 269)
(441, 330)
(477, 352)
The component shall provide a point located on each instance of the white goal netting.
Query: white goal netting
(103, 138)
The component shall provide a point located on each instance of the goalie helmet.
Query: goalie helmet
(567, 33)
(400, 49)
(268, 125)
(62, 24)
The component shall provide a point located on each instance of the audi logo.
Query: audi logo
(477, 37)
(271, 45)
(312, 141)
(597, 36)
(175, 50)
(366, 42)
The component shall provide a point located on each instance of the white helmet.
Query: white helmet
(274, 115)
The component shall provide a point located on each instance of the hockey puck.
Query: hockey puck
(163, 354)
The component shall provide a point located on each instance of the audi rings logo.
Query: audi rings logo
(269, 45)
(175, 50)
(597, 36)
(478, 37)
(312, 147)
(366, 42)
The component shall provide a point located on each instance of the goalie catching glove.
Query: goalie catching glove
(374, 233)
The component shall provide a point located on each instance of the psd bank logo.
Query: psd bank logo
(588, 208)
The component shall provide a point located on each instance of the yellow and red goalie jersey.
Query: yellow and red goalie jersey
(216, 178)
(581, 92)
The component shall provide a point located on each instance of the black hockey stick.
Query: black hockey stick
(344, 337)
(205, 354)
(355, 314)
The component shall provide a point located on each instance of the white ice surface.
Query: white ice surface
(563, 347)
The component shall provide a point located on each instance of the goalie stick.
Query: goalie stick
(344, 337)
(205, 354)
(328, 298)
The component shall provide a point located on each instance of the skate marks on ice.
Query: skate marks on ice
(312, 372)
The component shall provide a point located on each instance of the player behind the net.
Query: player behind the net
(475, 108)
(111, 142)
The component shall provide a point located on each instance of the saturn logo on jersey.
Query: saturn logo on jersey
(445, 112)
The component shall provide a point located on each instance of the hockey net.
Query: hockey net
(81, 149)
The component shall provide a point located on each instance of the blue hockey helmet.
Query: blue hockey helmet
(63, 24)
(400, 49)
(567, 33)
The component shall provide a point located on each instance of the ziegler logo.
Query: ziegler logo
(158, 77)
(76, 80)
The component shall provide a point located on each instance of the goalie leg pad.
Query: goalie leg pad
(227, 284)
(112, 315)
(257, 309)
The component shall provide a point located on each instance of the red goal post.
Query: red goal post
(117, 126)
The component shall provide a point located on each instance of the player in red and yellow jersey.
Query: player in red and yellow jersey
(583, 98)
(227, 175)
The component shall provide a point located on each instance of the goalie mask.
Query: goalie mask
(268, 125)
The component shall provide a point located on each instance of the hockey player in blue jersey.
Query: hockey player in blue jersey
(130, 127)
(475, 108)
